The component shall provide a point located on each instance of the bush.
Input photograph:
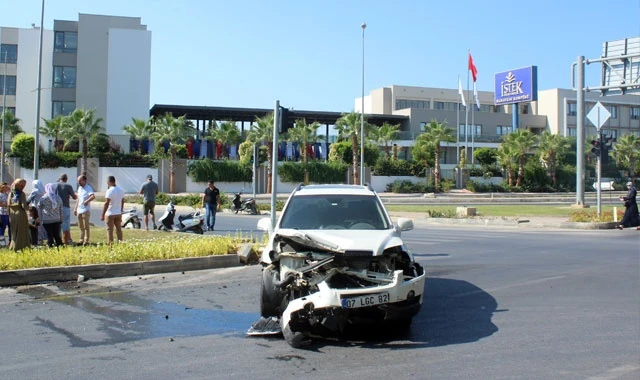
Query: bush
(225, 170)
(341, 151)
(52, 160)
(406, 186)
(319, 172)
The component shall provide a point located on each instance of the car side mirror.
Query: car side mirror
(405, 224)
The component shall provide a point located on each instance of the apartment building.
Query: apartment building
(101, 62)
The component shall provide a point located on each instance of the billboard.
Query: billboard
(516, 86)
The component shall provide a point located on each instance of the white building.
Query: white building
(554, 111)
(101, 62)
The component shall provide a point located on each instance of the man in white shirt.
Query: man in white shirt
(83, 208)
(112, 210)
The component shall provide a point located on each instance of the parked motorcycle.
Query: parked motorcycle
(191, 222)
(131, 219)
(248, 205)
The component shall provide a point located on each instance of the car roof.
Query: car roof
(334, 189)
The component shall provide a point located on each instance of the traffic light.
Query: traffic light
(605, 147)
(597, 148)
(285, 122)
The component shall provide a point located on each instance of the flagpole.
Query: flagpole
(466, 116)
(458, 128)
(473, 127)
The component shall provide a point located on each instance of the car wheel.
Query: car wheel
(270, 295)
(295, 338)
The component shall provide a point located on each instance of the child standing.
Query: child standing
(34, 223)
(4, 215)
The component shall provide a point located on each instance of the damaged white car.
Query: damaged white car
(334, 258)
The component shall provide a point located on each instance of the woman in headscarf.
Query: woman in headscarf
(37, 191)
(20, 236)
(630, 218)
(50, 206)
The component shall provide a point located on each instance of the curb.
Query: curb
(525, 223)
(94, 271)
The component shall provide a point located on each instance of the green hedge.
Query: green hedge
(219, 171)
(319, 172)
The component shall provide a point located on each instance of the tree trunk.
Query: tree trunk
(386, 149)
(520, 171)
(436, 171)
(354, 150)
(270, 163)
(172, 170)
(83, 161)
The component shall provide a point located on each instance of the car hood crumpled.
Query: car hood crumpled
(340, 241)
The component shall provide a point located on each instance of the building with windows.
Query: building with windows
(101, 62)
(554, 111)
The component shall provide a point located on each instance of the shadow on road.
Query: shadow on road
(453, 312)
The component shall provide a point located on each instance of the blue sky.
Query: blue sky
(308, 54)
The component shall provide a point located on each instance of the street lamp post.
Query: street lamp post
(364, 26)
(36, 148)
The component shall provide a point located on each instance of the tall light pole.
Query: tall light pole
(36, 145)
(364, 26)
(4, 114)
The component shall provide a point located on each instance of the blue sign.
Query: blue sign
(516, 86)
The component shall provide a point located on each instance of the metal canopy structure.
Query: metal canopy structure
(250, 114)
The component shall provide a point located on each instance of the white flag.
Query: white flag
(461, 93)
(475, 94)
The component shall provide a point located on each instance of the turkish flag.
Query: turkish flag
(472, 68)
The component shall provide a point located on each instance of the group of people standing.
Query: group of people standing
(44, 214)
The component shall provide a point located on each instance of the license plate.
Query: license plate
(365, 301)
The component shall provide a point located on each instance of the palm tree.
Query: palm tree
(304, 134)
(80, 125)
(348, 126)
(11, 123)
(384, 135)
(174, 130)
(227, 134)
(435, 134)
(551, 149)
(627, 153)
(139, 129)
(53, 128)
(508, 160)
(521, 142)
(262, 132)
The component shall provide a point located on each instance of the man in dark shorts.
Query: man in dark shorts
(149, 190)
(65, 191)
(211, 202)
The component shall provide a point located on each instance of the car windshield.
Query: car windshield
(334, 212)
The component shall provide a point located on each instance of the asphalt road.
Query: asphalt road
(500, 303)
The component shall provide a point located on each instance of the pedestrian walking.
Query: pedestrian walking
(65, 191)
(20, 237)
(4, 215)
(149, 190)
(82, 209)
(631, 217)
(112, 210)
(211, 202)
(51, 214)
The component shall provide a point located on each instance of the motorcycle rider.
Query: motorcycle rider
(211, 201)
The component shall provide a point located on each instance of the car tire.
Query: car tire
(295, 339)
(270, 295)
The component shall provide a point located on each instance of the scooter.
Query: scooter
(165, 222)
(248, 205)
(131, 219)
(191, 222)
